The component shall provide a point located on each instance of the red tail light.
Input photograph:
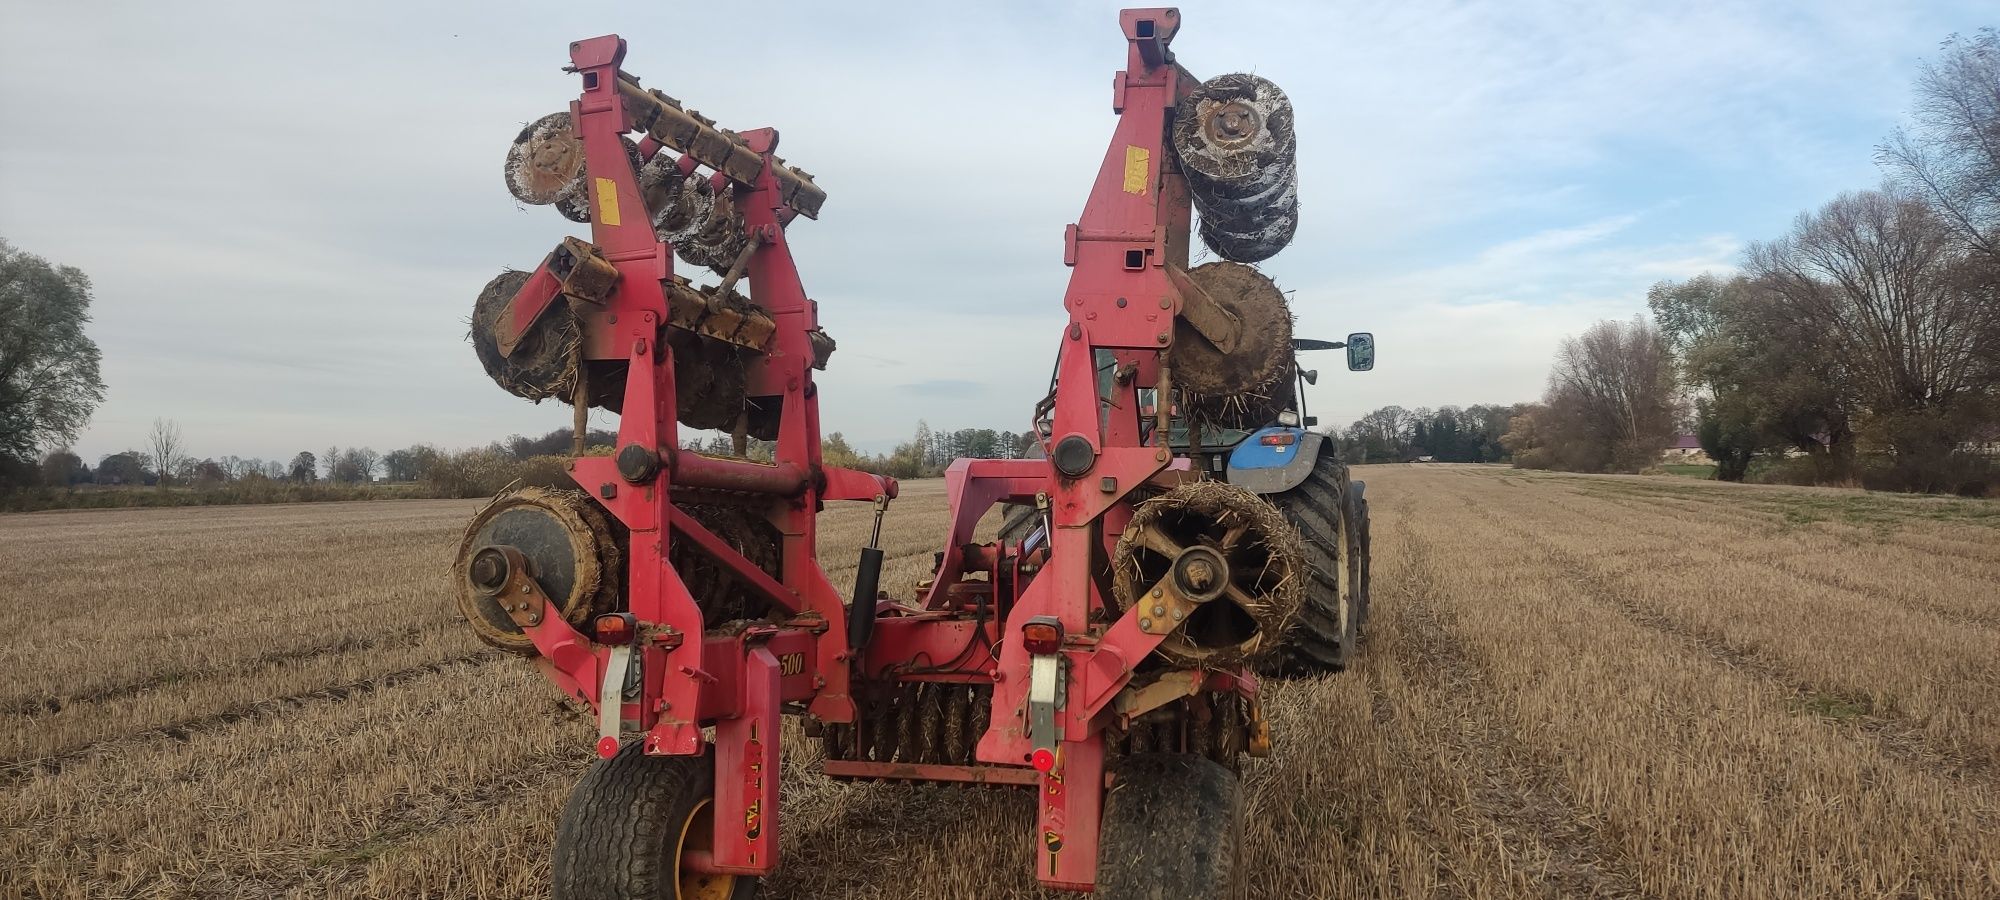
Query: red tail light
(1042, 635)
(615, 628)
(1280, 439)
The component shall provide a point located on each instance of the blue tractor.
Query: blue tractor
(1300, 472)
(1297, 470)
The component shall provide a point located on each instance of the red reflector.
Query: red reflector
(1041, 638)
(614, 628)
(607, 747)
(1278, 440)
(1045, 761)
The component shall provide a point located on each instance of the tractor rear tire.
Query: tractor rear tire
(1324, 636)
(1170, 829)
(626, 823)
(1018, 522)
(1358, 568)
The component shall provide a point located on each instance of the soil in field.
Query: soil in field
(1573, 686)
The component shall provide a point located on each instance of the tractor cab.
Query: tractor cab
(1268, 459)
(1278, 456)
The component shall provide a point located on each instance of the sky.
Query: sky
(286, 210)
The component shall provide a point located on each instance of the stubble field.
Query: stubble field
(1573, 686)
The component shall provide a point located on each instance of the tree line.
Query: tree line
(1861, 346)
(1446, 434)
(1612, 404)
(165, 462)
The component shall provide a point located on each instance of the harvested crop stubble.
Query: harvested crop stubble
(1573, 686)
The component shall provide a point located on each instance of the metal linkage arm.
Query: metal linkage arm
(663, 119)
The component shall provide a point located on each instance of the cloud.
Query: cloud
(946, 387)
(287, 229)
(1483, 330)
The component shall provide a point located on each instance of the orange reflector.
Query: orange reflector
(1278, 440)
(614, 628)
(1041, 638)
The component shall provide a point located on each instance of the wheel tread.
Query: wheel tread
(1318, 640)
(1170, 829)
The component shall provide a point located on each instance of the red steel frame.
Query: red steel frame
(737, 683)
(1121, 300)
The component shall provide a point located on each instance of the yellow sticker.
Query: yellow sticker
(1135, 169)
(607, 200)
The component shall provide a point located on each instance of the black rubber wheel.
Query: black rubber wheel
(1359, 564)
(1170, 828)
(626, 823)
(1020, 521)
(1323, 637)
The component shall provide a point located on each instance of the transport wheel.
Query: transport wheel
(1169, 830)
(573, 552)
(1323, 637)
(628, 823)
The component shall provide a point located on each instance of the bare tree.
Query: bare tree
(1950, 155)
(305, 469)
(165, 449)
(1611, 402)
(357, 465)
(1882, 281)
(401, 465)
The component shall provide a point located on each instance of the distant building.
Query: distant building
(1686, 451)
(1985, 442)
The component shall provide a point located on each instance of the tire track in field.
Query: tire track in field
(1940, 546)
(1790, 566)
(1895, 737)
(1530, 802)
(1667, 540)
(14, 770)
(34, 707)
(417, 817)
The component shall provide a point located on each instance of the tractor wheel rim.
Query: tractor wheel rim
(698, 833)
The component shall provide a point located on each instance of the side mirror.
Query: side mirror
(1311, 421)
(1310, 375)
(1360, 351)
